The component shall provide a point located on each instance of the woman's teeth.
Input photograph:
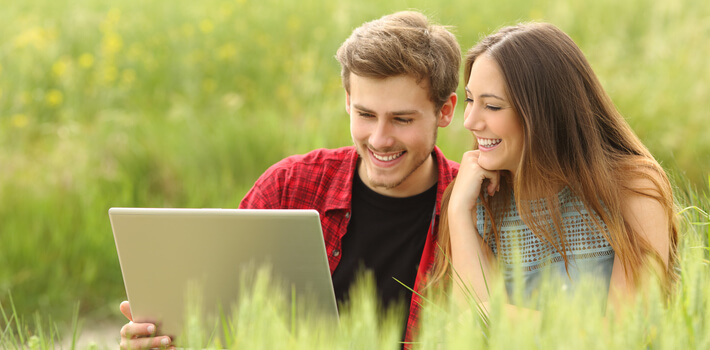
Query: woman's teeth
(488, 143)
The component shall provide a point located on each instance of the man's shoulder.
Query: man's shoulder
(447, 168)
(319, 158)
(313, 180)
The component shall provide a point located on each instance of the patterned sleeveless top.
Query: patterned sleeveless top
(589, 254)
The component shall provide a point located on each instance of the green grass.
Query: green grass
(184, 104)
(263, 317)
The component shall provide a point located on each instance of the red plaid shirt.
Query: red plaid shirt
(323, 180)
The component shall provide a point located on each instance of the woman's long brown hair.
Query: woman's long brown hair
(574, 137)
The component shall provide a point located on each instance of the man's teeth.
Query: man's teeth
(489, 142)
(387, 158)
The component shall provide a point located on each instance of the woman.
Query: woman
(553, 155)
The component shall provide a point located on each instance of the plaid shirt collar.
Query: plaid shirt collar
(344, 181)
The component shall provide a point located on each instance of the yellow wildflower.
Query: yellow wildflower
(112, 43)
(227, 51)
(206, 26)
(293, 23)
(35, 36)
(19, 120)
(59, 68)
(54, 97)
(86, 60)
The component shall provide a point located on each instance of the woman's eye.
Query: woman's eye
(493, 108)
(468, 100)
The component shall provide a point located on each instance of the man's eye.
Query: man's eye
(366, 115)
(404, 120)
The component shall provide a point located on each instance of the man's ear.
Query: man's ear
(446, 115)
(347, 102)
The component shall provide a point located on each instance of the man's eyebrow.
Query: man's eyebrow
(405, 112)
(396, 113)
(363, 108)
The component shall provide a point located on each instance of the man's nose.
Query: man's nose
(382, 137)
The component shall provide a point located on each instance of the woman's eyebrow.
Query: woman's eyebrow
(492, 95)
(484, 95)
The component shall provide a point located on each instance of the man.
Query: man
(379, 199)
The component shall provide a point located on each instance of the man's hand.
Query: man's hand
(140, 335)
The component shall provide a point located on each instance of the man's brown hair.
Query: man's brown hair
(404, 43)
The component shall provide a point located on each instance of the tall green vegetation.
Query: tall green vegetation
(264, 318)
(184, 104)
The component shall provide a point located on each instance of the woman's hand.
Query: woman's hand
(469, 182)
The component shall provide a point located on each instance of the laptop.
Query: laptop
(165, 253)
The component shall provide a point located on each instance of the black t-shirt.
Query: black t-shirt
(385, 235)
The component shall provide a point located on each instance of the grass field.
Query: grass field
(184, 104)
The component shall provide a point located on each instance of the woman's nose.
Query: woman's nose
(472, 120)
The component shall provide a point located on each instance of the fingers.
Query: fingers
(470, 157)
(131, 329)
(493, 184)
(140, 336)
(126, 310)
(470, 167)
(473, 179)
(145, 343)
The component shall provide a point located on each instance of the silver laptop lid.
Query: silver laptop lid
(164, 251)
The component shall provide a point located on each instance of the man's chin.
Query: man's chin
(381, 183)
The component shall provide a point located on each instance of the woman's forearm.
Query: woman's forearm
(471, 263)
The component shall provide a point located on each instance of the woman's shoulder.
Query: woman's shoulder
(647, 180)
(647, 206)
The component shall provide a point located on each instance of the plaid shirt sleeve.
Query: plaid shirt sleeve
(320, 180)
(267, 190)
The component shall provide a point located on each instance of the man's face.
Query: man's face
(393, 125)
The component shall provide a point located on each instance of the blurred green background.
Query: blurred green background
(185, 104)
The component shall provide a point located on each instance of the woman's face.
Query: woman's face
(491, 117)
